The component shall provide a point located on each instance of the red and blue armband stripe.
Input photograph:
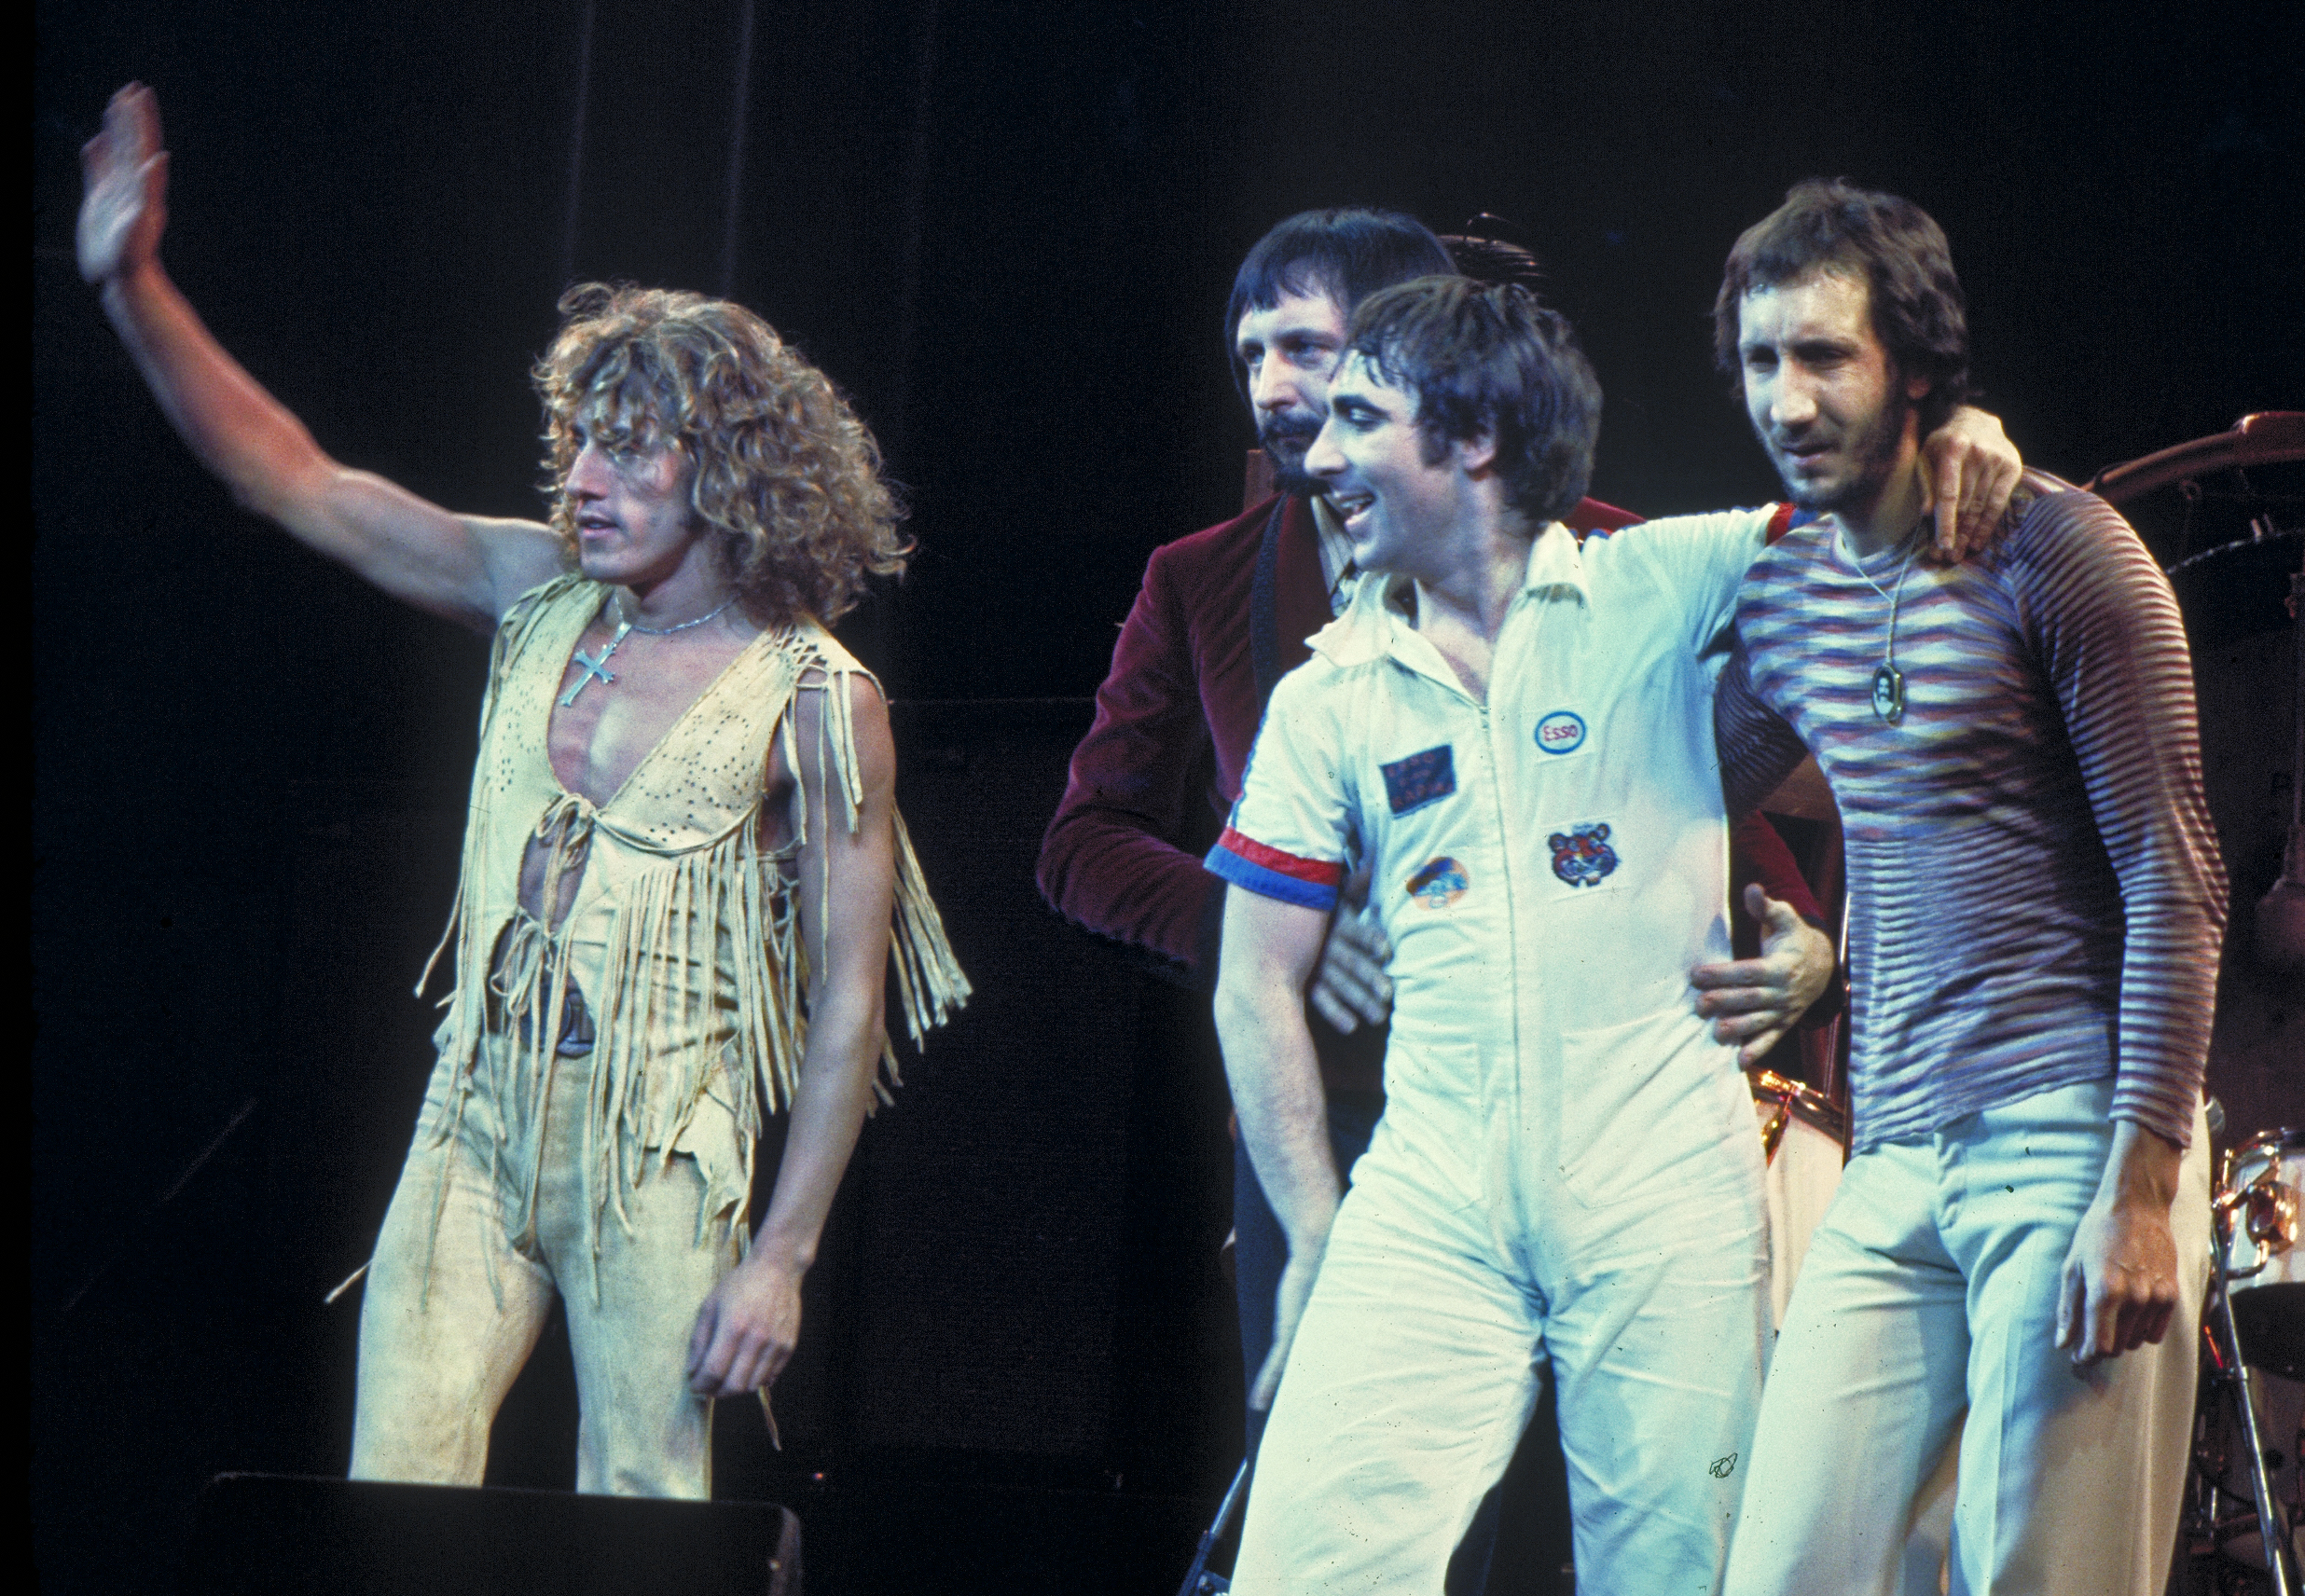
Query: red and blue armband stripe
(1272, 873)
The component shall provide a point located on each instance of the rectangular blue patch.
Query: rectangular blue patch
(1419, 780)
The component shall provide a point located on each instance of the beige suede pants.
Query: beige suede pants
(453, 1310)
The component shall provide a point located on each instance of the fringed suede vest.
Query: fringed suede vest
(682, 938)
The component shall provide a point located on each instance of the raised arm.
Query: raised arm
(1270, 947)
(467, 569)
(748, 1327)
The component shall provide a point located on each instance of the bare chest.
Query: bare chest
(619, 697)
(1468, 654)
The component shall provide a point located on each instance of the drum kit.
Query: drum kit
(2243, 1508)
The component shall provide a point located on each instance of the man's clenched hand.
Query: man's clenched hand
(2119, 1290)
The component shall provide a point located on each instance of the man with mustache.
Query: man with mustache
(1513, 729)
(1222, 616)
(2036, 906)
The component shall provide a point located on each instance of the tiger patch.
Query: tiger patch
(1582, 856)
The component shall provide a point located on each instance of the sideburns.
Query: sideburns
(1890, 433)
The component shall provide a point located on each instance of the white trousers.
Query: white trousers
(451, 1314)
(1459, 1269)
(1930, 1290)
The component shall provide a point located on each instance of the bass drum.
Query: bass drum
(1806, 1138)
(2262, 1182)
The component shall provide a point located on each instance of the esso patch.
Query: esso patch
(1561, 732)
(1441, 883)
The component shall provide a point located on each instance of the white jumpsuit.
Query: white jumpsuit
(1566, 1176)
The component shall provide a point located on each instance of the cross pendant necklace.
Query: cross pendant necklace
(596, 668)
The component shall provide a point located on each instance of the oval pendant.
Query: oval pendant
(1888, 694)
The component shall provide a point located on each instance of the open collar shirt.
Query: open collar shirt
(1548, 863)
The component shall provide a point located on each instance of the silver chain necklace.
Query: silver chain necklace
(597, 667)
(625, 625)
(1889, 683)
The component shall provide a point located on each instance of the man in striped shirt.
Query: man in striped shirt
(2037, 905)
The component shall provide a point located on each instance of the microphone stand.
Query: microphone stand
(1197, 1576)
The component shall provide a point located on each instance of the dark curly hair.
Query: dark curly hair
(784, 470)
(1918, 310)
(1489, 359)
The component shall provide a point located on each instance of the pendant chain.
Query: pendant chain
(668, 631)
(1889, 683)
(591, 668)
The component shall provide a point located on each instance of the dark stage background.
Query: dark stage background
(1008, 230)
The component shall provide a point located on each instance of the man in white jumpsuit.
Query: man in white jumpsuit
(1516, 732)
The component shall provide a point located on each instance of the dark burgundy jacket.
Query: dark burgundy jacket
(1223, 615)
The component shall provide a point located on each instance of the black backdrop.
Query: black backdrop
(1008, 232)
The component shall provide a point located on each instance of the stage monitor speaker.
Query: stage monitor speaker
(275, 1534)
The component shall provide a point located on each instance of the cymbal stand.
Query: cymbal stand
(2224, 1337)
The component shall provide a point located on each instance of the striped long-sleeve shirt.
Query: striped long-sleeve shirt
(2036, 896)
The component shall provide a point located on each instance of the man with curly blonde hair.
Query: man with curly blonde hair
(684, 878)
(787, 479)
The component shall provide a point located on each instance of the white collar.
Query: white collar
(1377, 615)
